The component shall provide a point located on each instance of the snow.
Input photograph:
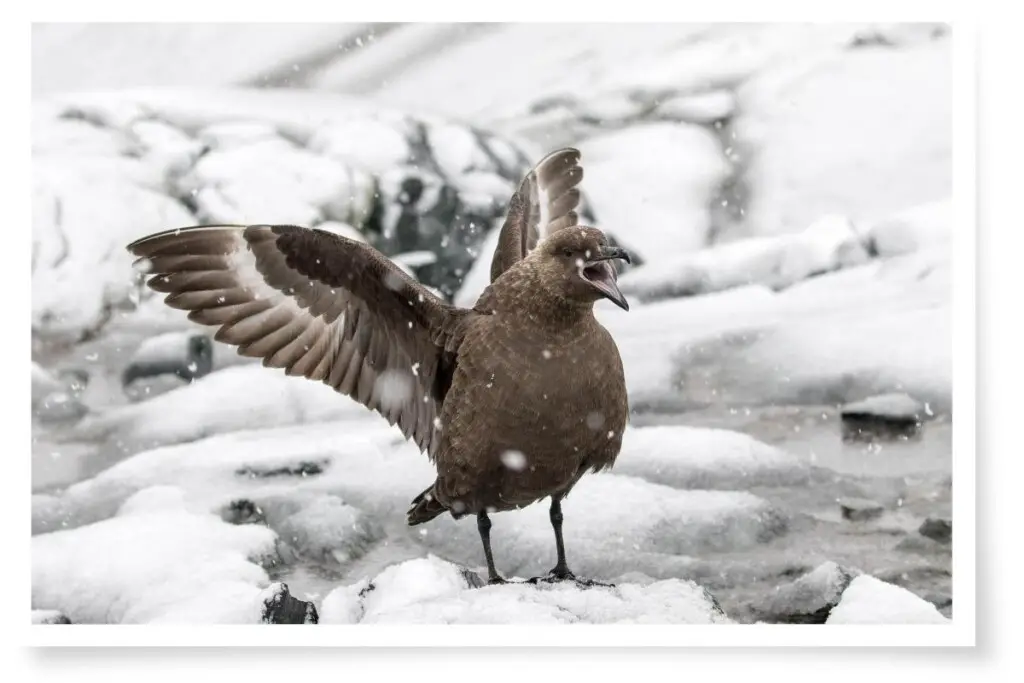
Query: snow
(868, 600)
(84, 217)
(240, 397)
(43, 384)
(373, 145)
(833, 148)
(479, 275)
(651, 528)
(431, 591)
(700, 458)
(47, 616)
(152, 564)
(863, 133)
(363, 461)
(650, 186)
(828, 244)
(90, 56)
(272, 181)
(703, 108)
(835, 338)
(815, 592)
(163, 347)
(919, 227)
(886, 405)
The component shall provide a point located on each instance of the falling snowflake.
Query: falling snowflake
(416, 369)
(595, 420)
(546, 353)
(514, 460)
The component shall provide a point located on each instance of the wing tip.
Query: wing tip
(135, 248)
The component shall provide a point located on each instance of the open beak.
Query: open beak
(598, 271)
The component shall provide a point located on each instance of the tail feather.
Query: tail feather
(424, 508)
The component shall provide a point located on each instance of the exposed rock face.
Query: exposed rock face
(807, 600)
(281, 607)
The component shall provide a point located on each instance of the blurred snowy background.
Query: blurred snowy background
(788, 353)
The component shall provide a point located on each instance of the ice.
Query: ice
(868, 600)
(150, 566)
(700, 458)
(651, 185)
(430, 590)
(841, 134)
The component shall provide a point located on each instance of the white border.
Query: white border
(960, 632)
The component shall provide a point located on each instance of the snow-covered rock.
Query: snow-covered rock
(703, 108)
(698, 458)
(861, 132)
(48, 616)
(868, 600)
(909, 230)
(831, 339)
(615, 524)
(188, 355)
(362, 461)
(651, 186)
(882, 417)
(235, 398)
(828, 244)
(431, 591)
(807, 600)
(153, 565)
(174, 158)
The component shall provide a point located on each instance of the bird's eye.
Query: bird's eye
(567, 252)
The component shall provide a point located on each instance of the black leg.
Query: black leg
(483, 524)
(561, 570)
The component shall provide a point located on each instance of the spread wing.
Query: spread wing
(317, 305)
(545, 202)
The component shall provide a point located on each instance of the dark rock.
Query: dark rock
(242, 511)
(302, 469)
(937, 529)
(921, 545)
(808, 600)
(860, 509)
(47, 616)
(281, 607)
(187, 356)
(887, 417)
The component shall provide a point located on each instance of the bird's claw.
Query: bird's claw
(557, 575)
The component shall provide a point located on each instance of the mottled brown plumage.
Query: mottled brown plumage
(514, 399)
